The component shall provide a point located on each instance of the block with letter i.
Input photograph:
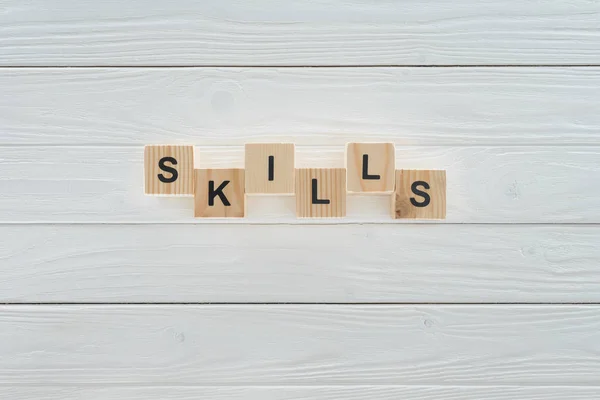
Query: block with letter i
(321, 192)
(419, 194)
(270, 168)
(370, 167)
(169, 170)
(219, 193)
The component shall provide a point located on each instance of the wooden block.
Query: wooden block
(420, 194)
(370, 167)
(321, 192)
(169, 170)
(219, 193)
(270, 168)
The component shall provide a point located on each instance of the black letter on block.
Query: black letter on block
(212, 193)
(271, 168)
(418, 192)
(173, 171)
(315, 199)
(365, 174)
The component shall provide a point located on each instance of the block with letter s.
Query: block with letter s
(419, 194)
(169, 170)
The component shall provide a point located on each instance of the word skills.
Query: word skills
(269, 169)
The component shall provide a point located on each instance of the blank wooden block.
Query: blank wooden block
(420, 194)
(370, 167)
(169, 170)
(219, 193)
(321, 192)
(270, 168)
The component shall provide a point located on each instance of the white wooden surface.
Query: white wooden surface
(299, 345)
(310, 106)
(285, 263)
(315, 32)
(502, 94)
(531, 184)
(373, 392)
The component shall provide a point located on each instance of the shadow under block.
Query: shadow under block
(370, 167)
(420, 194)
(219, 193)
(270, 168)
(321, 192)
(169, 170)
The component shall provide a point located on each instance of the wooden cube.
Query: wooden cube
(420, 194)
(370, 167)
(169, 170)
(320, 193)
(219, 193)
(270, 168)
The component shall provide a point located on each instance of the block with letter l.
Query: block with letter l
(419, 194)
(321, 192)
(219, 193)
(370, 167)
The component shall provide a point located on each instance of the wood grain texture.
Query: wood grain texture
(425, 200)
(308, 263)
(315, 392)
(299, 345)
(308, 106)
(269, 168)
(321, 192)
(270, 32)
(373, 174)
(219, 193)
(531, 184)
(180, 167)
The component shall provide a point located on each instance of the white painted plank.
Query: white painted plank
(324, 32)
(485, 185)
(310, 106)
(299, 345)
(355, 392)
(303, 264)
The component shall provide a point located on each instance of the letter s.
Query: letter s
(421, 193)
(163, 167)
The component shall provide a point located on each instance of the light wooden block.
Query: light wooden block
(370, 167)
(219, 193)
(270, 168)
(321, 192)
(169, 170)
(420, 194)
